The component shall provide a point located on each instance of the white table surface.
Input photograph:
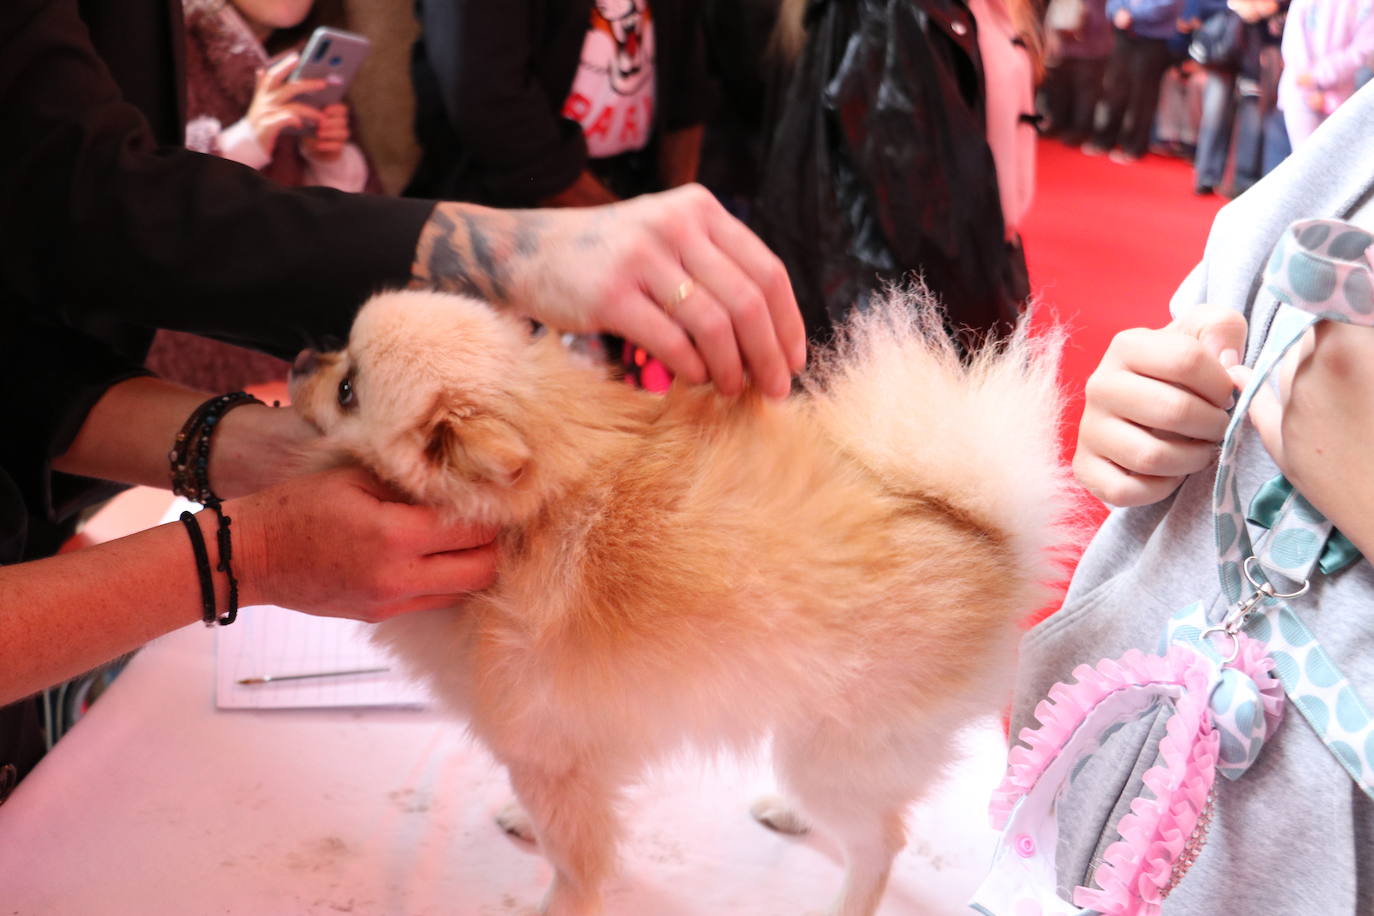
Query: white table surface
(157, 803)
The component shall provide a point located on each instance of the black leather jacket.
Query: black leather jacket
(879, 168)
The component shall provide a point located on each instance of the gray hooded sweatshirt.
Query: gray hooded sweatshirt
(1294, 836)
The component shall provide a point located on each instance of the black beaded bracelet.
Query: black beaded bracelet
(190, 454)
(190, 461)
(207, 584)
(226, 549)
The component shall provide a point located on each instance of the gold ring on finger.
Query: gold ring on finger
(684, 289)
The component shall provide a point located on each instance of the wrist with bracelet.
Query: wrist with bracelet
(190, 467)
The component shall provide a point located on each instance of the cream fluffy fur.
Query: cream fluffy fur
(844, 571)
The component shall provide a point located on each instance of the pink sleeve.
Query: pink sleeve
(346, 173)
(1337, 69)
(239, 143)
(1010, 94)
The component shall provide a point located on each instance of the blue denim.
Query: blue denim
(1214, 133)
(1276, 145)
(1261, 143)
(1249, 143)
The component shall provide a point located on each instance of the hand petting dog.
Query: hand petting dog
(673, 272)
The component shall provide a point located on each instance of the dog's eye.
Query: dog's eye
(346, 392)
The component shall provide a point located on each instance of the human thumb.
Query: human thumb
(1221, 331)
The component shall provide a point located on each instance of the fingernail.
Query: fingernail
(1229, 358)
(1240, 377)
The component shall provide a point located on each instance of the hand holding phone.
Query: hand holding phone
(276, 104)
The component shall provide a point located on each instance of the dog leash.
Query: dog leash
(1223, 670)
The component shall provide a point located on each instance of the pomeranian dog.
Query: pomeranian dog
(843, 572)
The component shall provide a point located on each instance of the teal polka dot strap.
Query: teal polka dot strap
(1296, 540)
(1267, 510)
(1320, 270)
(1324, 266)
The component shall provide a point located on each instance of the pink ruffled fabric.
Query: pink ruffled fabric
(1139, 870)
(1254, 660)
(1067, 706)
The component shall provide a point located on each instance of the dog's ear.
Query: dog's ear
(477, 446)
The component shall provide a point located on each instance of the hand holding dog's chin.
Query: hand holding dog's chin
(335, 544)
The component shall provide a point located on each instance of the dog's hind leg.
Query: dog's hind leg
(856, 788)
(575, 823)
(514, 820)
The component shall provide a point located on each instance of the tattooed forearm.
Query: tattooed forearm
(439, 261)
(484, 255)
(475, 250)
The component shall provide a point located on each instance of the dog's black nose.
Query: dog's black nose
(305, 363)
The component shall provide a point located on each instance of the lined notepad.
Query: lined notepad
(272, 641)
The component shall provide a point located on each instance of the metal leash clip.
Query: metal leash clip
(1236, 619)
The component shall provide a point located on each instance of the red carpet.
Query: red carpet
(1107, 245)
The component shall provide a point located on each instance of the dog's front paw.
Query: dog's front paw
(775, 814)
(513, 819)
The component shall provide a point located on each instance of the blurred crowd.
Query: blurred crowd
(1230, 85)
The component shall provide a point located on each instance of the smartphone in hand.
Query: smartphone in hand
(334, 56)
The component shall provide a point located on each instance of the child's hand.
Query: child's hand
(1122, 19)
(1156, 406)
(331, 133)
(1317, 427)
(274, 107)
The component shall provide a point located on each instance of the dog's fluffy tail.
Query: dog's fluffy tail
(981, 433)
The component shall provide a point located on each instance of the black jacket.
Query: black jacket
(491, 77)
(879, 168)
(108, 230)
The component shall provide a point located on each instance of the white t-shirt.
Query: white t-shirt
(612, 95)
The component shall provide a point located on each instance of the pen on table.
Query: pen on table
(273, 678)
